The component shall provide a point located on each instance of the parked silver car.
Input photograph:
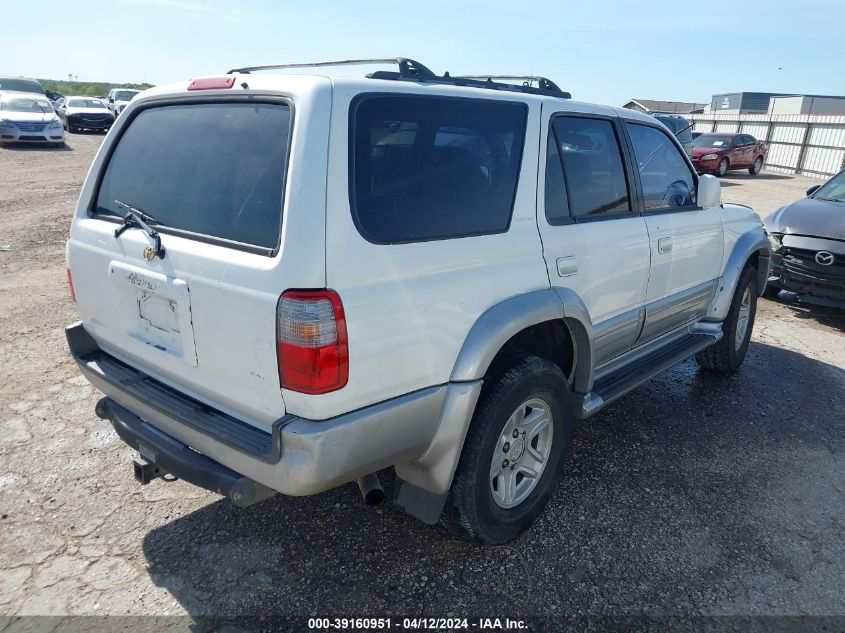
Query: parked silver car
(29, 118)
(808, 243)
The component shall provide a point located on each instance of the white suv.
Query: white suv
(119, 98)
(288, 282)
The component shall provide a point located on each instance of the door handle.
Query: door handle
(664, 245)
(567, 266)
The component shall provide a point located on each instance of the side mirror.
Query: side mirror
(709, 191)
(812, 190)
(111, 99)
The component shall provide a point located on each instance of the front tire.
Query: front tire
(757, 167)
(513, 453)
(722, 169)
(771, 292)
(727, 355)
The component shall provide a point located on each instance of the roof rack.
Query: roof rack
(544, 84)
(408, 68)
(412, 70)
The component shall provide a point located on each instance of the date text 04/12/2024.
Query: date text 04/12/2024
(416, 624)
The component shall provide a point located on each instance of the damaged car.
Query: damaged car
(808, 244)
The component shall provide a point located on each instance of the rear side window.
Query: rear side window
(557, 204)
(593, 167)
(667, 180)
(215, 169)
(426, 168)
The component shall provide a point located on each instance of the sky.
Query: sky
(601, 51)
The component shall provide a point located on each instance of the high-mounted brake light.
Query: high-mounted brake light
(212, 83)
(311, 346)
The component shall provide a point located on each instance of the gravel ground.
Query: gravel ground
(693, 495)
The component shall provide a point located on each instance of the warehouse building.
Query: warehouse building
(743, 102)
(807, 104)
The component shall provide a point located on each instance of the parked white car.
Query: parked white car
(433, 273)
(29, 118)
(119, 98)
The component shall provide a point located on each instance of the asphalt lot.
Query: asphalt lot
(693, 495)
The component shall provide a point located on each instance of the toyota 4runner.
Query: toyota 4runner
(289, 282)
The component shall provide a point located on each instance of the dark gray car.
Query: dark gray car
(680, 127)
(808, 244)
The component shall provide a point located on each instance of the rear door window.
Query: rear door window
(214, 169)
(426, 168)
(593, 168)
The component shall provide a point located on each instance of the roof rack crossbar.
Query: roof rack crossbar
(544, 83)
(408, 68)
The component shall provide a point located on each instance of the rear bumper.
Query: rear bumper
(298, 456)
(171, 456)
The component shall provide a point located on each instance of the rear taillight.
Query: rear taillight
(70, 285)
(312, 350)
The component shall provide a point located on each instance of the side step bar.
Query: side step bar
(632, 375)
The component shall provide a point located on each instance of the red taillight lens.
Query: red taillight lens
(70, 285)
(312, 350)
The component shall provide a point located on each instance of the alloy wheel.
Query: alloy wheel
(521, 453)
(743, 318)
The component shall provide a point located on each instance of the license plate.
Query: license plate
(154, 309)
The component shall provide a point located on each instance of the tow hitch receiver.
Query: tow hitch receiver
(161, 456)
(145, 471)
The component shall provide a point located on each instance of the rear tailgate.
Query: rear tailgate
(219, 172)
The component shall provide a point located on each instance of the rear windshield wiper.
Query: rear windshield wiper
(136, 217)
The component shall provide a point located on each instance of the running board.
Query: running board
(632, 375)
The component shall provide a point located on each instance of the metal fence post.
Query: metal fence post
(803, 148)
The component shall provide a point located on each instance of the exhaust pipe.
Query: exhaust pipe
(371, 490)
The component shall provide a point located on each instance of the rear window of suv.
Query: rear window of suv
(214, 169)
(427, 168)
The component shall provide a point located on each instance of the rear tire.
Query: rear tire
(757, 167)
(522, 425)
(722, 169)
(727, 355)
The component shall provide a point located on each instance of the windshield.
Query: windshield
(24, 104)
(85, 103)
(124, 95)
(211, 169)
(20, 85)
(833, 189)
(713, 140)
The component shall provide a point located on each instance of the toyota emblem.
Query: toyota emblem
(824, 258)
